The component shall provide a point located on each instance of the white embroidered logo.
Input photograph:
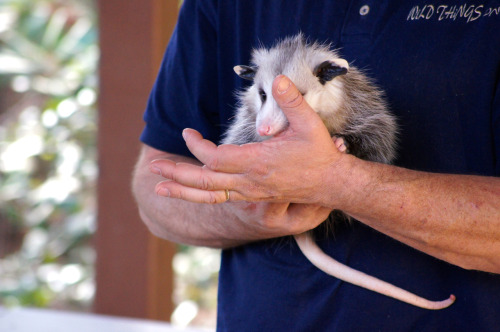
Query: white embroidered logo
(466, 12)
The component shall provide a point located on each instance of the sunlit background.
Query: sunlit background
(48, 171)
(48, 89)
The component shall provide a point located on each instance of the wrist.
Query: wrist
(348, 183)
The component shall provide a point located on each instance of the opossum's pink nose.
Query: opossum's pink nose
(266, 130)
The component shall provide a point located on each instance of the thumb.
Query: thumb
(292, 103)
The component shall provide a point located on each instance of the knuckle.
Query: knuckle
(213, 163)
(261, 170)
(174, 176)
(204, 181)
(180, 195)
(255, 191)
(294, 100)
(212, 198)
(251, 191)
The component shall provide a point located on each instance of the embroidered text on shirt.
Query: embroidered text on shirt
(444, 12)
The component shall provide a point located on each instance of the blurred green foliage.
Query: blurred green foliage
(48, 91)
(196, 278)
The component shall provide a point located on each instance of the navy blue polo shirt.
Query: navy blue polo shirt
(439, 64)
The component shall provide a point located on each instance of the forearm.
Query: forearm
(174, 220)
(452, 217)
(177, 220)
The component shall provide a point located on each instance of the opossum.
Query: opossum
(354, 112)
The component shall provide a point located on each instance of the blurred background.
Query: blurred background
(67, 68)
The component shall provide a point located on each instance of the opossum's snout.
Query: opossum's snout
(270, 120)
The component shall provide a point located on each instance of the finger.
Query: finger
(299, 214)
(305, 211)
(203, 178)
(192, 175)
(292, 103)
(224, 158)
(172, 189)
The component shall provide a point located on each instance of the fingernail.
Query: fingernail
(163, 192)
(155, 170)
(184, 134)
(283, 85)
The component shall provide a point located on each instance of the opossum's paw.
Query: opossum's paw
(340, 144)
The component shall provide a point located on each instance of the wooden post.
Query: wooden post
(133, 272)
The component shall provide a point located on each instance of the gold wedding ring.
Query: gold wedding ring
(226, 191)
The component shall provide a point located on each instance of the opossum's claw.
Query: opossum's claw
(340, 143)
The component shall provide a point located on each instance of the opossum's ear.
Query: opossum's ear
(245, 72)
(328, 70)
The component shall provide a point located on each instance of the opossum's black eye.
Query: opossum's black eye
(262, 95)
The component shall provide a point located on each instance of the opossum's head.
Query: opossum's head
(313, 68)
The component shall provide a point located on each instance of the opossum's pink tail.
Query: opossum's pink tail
(332, 267)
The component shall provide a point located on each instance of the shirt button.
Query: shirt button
(364, 10)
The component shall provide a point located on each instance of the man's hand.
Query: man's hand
(214, 225)
(289, 167)
(264, 220)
